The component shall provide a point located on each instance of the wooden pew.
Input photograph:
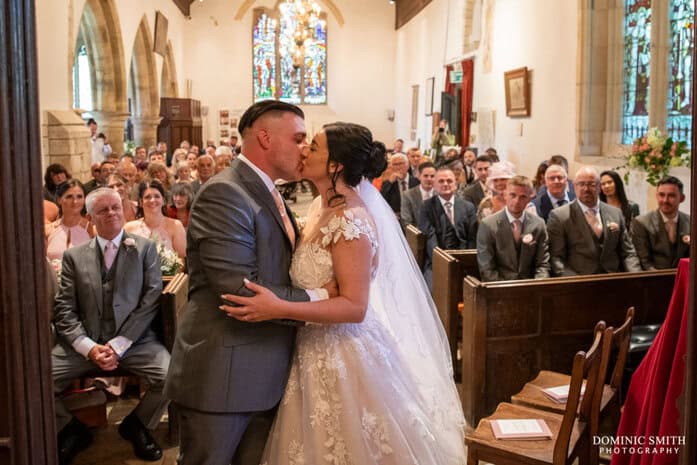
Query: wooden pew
(449, 269)
(513, 329)
(172, 302)
(417, 243)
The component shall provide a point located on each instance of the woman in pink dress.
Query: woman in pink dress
(154, 223)
(71, 228)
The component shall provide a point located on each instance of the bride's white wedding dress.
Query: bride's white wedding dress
(367, 393)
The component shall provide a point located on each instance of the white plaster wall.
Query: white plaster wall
(539, 34)
(57, 26)
(360, 63)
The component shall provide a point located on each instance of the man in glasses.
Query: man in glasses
(588, 236)
(556, 193)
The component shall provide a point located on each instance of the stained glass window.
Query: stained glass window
(679, 121)
(637, 63)
(82, 83)
(264, 72)
(298, 69)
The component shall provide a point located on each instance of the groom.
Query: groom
(227, 376)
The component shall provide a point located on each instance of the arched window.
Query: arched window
(82, 81)
(638, 58)
(290, 62)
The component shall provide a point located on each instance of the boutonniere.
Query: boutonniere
(527, 239)
(686, 239)
(614, 227)
(129, 242)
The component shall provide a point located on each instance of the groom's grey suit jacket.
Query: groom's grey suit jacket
(137, 289)
(220, 364)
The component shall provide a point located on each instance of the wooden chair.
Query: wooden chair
(532, 396)
(571, 432)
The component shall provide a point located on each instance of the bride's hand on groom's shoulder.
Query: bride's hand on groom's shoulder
(263, 306)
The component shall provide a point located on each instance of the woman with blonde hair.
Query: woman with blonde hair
(119, 184)
(158, 171)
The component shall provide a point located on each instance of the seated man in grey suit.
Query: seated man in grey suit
(662, 237)
(109, 292)
(588, 236)
(555, 193)
(512, 244)
(413, 198)
(447, 220)
(475, 192)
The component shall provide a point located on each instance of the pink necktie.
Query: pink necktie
(109, 254)
(672, 228)
(449, 211)
(593, 222)
(517, 227)
(284, 215)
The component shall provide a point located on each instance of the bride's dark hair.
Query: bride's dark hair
(352, 146)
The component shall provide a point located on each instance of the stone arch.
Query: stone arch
(329, 4)
(100, 30)
(143, 88)
(169, 84)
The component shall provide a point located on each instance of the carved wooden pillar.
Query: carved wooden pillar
(27, 435)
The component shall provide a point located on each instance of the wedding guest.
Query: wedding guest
(612, 193)
(141, 154)
(555, 193)
(97, 180)
(154, 223)
(441, 138)
(492, 154)
(539, 181)
(182, 197)
(588, 236)
(120, 185)
(191, 160)
(496, 182)
(55, 175)
(205, 167)
(513, 243)
(414, 156)
(109, 293)
(158, 171)
(50, 211)
(129, 172)
(478, 189)
(447, 220)
(179, 155)
(222, 162)
(413, 199)
(468, 159)
(156, 157)
(662, 236)
(71, 228)
(398, 146)
(183, 173)
(398, 181)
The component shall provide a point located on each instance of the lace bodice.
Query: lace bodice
(312, 265)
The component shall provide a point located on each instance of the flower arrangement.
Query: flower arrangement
(656, 154)
(170, 263)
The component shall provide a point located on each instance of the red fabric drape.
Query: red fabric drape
(651, 408)
(466, 100)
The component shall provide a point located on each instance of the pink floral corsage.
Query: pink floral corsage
(129, 242)
(527, 239)
(614, 227)
(686, 239)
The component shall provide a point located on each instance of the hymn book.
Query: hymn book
(560, 394)
(521, 429)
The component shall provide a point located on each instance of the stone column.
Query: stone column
(65, 139)
(145, 130)
(112, 124)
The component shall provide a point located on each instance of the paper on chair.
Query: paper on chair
(561, 393)
(521, 429)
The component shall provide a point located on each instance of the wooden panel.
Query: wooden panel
(184, 6)
(417, 243)
(513, 329)
(407, 9)
(181, 120)
(27, 435)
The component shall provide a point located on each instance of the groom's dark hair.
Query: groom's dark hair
(259, 109)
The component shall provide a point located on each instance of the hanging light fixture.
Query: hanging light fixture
(307, 18)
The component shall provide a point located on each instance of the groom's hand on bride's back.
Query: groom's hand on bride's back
(332, 288)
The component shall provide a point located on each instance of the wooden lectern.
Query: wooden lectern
(181, 120)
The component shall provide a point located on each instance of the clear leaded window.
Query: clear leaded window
(82, 83)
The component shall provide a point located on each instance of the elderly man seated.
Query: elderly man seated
(108, 297)
(398, 181)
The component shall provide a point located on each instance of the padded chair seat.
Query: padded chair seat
(642, 337)
(532, 451)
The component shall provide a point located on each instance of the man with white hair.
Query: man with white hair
(588, 236)
(556, 192)
(109, 293)
(205, 167)
(398, 181)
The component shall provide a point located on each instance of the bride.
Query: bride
(371, 380)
